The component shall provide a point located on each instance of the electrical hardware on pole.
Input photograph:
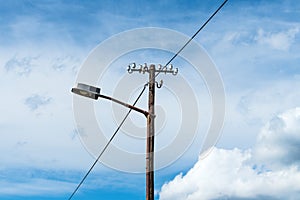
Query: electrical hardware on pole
(151, 117)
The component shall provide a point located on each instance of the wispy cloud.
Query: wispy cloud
(22, 182)
(20, 66)
(63, 62)
(280, 41)
(35, 101)
(36, 182)
(35, 187)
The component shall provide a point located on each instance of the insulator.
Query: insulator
(175, 72)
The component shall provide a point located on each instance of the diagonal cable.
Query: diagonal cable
(143, 90)
(191, 38)
(107, 144)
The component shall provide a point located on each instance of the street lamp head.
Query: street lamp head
(86, 91)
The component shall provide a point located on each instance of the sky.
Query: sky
(253, 44)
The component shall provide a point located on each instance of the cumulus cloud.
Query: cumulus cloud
(268, 171)
(279, 141)
(280, 40)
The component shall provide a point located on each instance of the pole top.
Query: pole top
(143, 68)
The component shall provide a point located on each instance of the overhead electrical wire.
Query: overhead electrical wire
(107, 144)
(191, 38)
(139, 96)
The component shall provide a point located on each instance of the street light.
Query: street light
(94, 93)
(86, 91)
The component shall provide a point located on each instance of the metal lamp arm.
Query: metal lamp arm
(124, 104)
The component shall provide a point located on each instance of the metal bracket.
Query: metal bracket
(159, 85)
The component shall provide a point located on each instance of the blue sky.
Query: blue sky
(255, 46)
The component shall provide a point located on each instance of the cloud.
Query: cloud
(280, 40)
(39, 116)
(35, 101)
(24, 182)
(279, 141)
(56, 29)
(20, 66)
(35, 187)
(269, 170)
(64, 62)
(35, 182)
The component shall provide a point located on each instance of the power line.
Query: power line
(220, 7)
(110, 140)
(141, 93)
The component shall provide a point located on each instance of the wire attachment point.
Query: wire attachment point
(130, 67)
(159, 85)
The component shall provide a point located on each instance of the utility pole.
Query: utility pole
(151, 119)
(150, 136)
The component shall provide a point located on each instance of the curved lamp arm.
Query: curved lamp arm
(94, 93)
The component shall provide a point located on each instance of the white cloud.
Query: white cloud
(270, 170)
(250, 109)
(38, 125)
(35, 187)
(22, 182)
(280, 40)
(279, 141)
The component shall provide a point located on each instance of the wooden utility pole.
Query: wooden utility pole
(150, 137)
(151, 118)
